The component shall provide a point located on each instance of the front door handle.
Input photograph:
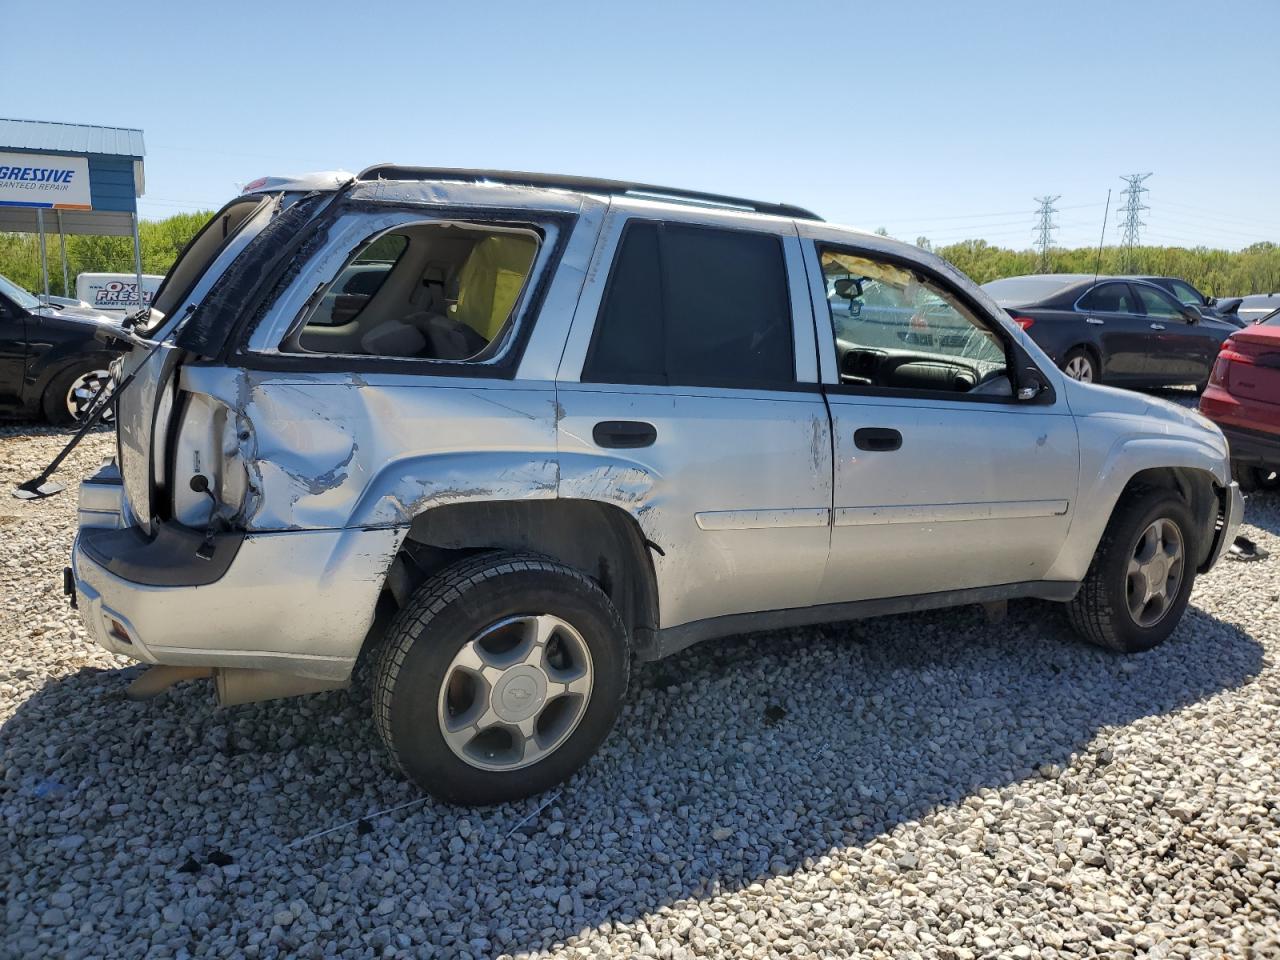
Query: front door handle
(624, 433)
(877, 438)
(1157, 326)
(1094, 320)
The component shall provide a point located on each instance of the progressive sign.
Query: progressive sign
(42, 180)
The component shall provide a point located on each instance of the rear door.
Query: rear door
(1123, 332)
(690, 379)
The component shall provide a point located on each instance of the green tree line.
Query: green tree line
(162, 241)
(1219, 273)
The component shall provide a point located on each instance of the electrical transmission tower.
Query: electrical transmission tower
(1045, 227)
(1133, 223)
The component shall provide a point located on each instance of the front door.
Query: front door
(13, 351)
(1179, 351)
(688, 397)
(943, 480)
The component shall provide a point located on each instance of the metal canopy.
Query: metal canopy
(113, 159)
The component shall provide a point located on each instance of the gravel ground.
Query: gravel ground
(927, 785)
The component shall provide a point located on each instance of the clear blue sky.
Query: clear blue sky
(936, 117)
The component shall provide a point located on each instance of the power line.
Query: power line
(1045, 227)
(1133, 207)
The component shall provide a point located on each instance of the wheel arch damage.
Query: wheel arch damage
(600, 539)
(1186, 463)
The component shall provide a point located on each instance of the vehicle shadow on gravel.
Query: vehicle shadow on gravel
(733, 762)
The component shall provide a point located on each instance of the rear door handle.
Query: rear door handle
(624, 433)
(1157, 326)
(877, 438)
(1094, 320)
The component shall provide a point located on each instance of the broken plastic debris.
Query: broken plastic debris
(1244, 549)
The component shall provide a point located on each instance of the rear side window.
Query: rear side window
(694, 306)
(1109, 298)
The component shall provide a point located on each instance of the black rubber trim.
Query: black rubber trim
(1251, 446)
(674, 639)
(168, 559)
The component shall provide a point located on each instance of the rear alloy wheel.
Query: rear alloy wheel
(1137, 586)
(70, 396)
(500, 677)
(1080, 366)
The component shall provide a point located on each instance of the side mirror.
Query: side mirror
(1190, 314)
(1032, 386)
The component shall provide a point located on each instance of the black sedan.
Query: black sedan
(1113, 329)
(50, 361)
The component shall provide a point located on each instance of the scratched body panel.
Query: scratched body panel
(374, 450)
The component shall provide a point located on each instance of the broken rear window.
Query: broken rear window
(431, 291)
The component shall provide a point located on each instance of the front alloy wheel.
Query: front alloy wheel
(1141, 576)
(1155, 572)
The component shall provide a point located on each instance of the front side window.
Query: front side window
(895, 328)
(1187, 294)
(429, 291)
(694, 306)
(1158, 304)
(1109, 298)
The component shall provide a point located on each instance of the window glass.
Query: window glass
(694, 306)
(1109, 298)
(896, 329)
(1185, 293)
(18, 295)
(1158, 303)
(359, 281)
(431, 291)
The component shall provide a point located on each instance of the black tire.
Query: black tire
(54, 402)
(1100, 611)
(447, 612)
(1082, 355)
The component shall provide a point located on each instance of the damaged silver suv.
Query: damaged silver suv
(542, 427)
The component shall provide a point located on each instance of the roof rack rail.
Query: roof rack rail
(394, 171)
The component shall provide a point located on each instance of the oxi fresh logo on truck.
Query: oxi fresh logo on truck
(115, 291)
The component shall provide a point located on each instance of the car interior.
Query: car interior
(895, 329)
(433, 291)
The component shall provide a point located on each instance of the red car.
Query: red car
(1243, 398)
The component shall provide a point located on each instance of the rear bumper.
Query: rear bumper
(1252, 428)
(297, 602)
(1250, 446)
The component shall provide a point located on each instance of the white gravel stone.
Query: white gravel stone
(920, 786)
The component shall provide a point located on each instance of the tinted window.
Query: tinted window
(694, 306)
(1109, 298)
(1158, 303)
